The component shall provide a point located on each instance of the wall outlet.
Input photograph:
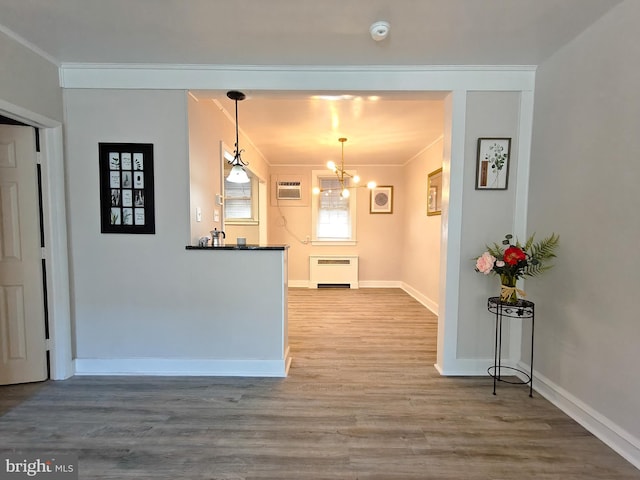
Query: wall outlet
(216, 215)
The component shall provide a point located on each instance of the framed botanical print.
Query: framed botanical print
(381, 199)
(126, 188)
(492, 167)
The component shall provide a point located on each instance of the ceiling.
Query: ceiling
(303, 127)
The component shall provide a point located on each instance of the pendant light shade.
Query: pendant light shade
(237, 174)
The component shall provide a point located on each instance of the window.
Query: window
(333, 216)
(240, 201)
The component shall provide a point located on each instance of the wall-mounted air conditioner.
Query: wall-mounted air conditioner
(289, 191)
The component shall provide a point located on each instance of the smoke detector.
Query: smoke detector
(379, 30)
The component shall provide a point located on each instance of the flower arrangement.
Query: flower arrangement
(513, 261)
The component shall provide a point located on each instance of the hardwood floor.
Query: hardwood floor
(362, 401)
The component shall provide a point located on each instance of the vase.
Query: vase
(508, 290)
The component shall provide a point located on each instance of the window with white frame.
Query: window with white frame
(333, 215)
(240, 201)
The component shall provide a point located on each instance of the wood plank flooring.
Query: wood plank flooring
(362, 401)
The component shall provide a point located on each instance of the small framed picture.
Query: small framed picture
(492, 168)
(381, 199)
(434, 193)
(125, 157)
(127, 198)
(138, 161)
(114, 161)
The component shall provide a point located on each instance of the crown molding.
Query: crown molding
(27, 44)
(299, 78)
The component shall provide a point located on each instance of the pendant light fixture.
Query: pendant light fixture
(237, 174)
(343, 176)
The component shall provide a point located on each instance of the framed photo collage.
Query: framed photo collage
(126, 188)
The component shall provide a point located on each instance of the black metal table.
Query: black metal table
(523, 309)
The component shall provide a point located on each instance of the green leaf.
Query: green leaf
(540, 252)
(496, 250)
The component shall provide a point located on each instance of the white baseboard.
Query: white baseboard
(361, 284)
(423, 299)
(183, 367)
(612, 434)
(465, 367)
(380, 284)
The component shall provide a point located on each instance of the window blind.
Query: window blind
(237, 200)
(333, 211)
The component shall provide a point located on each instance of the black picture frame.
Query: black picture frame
(492, 167)
(126, 188)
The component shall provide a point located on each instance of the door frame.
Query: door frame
(55, 252)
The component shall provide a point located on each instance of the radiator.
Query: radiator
(333, 271)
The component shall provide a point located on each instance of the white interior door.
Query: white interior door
(22, 330)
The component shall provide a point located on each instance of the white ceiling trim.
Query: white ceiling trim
(23, 115)
(299, 78)
(417, 155)
(27, 44)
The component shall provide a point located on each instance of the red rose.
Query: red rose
(513, 255)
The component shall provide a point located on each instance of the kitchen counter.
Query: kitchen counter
(239, 247)
(243, 296)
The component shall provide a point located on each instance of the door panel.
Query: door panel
(10, 221)
(22, 335)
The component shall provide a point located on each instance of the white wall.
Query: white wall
(584, 186)
(379, 236)
(119, 296)
(422, 233)
(208, 127)
(400, 249)
(28, 81)
(487, 215)
(145, 296)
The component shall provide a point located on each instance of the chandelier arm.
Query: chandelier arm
(341, 173)
(348, 188)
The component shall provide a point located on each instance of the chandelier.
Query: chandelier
(237, 174)
(343, 176)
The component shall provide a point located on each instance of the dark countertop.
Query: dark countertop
(239, 247)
